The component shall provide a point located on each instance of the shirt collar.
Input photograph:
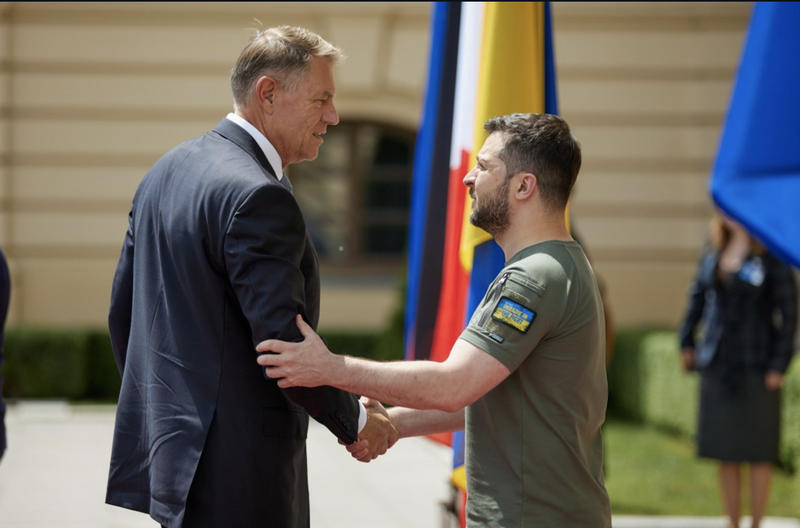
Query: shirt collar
(269, 151)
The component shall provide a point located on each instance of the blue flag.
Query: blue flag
(430, 184)
(756, 176)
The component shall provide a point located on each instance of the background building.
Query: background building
(93, 93)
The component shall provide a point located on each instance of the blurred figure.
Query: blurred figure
(5, 295)
(746, 300)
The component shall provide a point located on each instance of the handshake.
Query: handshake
(377, 436)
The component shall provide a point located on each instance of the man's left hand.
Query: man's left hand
(308, 363)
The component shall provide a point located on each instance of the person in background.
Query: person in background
(5, 295)
(745, 300)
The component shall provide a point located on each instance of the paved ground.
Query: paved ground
(54, 473)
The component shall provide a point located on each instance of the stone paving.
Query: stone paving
(54, 473)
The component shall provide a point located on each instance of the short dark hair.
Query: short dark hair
(283, 52)
(543, 145)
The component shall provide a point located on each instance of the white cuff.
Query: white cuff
(362, 416)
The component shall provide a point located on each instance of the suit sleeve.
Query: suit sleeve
(263, 247)
(694, 311)
(119, 314)
(783, 299)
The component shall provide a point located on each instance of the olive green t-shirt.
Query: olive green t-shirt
(534, 452)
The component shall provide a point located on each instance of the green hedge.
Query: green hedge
(646, 384)
(74, 364)
(42, 363)
(77, 364)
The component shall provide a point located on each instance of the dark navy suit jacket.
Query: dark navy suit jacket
(216, 259)
(753, 317)
(5, 295)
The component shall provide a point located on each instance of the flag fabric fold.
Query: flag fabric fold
(486, 59)
(429, 190)
(756, 175)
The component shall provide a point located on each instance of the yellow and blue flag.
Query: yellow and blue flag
(486, 59)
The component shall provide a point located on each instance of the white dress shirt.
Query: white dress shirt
(272, 155)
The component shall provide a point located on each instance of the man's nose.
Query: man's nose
(331, 116)
(469, 178)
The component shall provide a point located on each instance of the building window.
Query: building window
(355, 196)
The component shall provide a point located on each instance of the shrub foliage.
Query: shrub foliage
(647, 385)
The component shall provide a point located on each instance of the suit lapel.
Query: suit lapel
(233, 132)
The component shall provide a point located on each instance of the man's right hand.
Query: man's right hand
(687, 358)
(377, 436)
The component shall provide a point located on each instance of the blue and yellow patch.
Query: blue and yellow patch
(513, 314)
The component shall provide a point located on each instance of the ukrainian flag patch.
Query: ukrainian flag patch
(513, 314)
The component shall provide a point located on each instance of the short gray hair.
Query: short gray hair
(282, 52)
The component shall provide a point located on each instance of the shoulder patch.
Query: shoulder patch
(513, 314)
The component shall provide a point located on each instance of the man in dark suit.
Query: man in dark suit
(5, 297)
(217, 258)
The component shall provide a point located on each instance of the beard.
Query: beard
(492, 214)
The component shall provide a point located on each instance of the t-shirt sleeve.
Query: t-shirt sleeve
(514, 315)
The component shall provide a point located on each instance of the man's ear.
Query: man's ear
(525, 186)
(266, 88)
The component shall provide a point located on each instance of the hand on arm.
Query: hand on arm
(307, 363)
(466, 375)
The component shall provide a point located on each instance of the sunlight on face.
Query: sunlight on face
(302, 115)
(488, 186)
